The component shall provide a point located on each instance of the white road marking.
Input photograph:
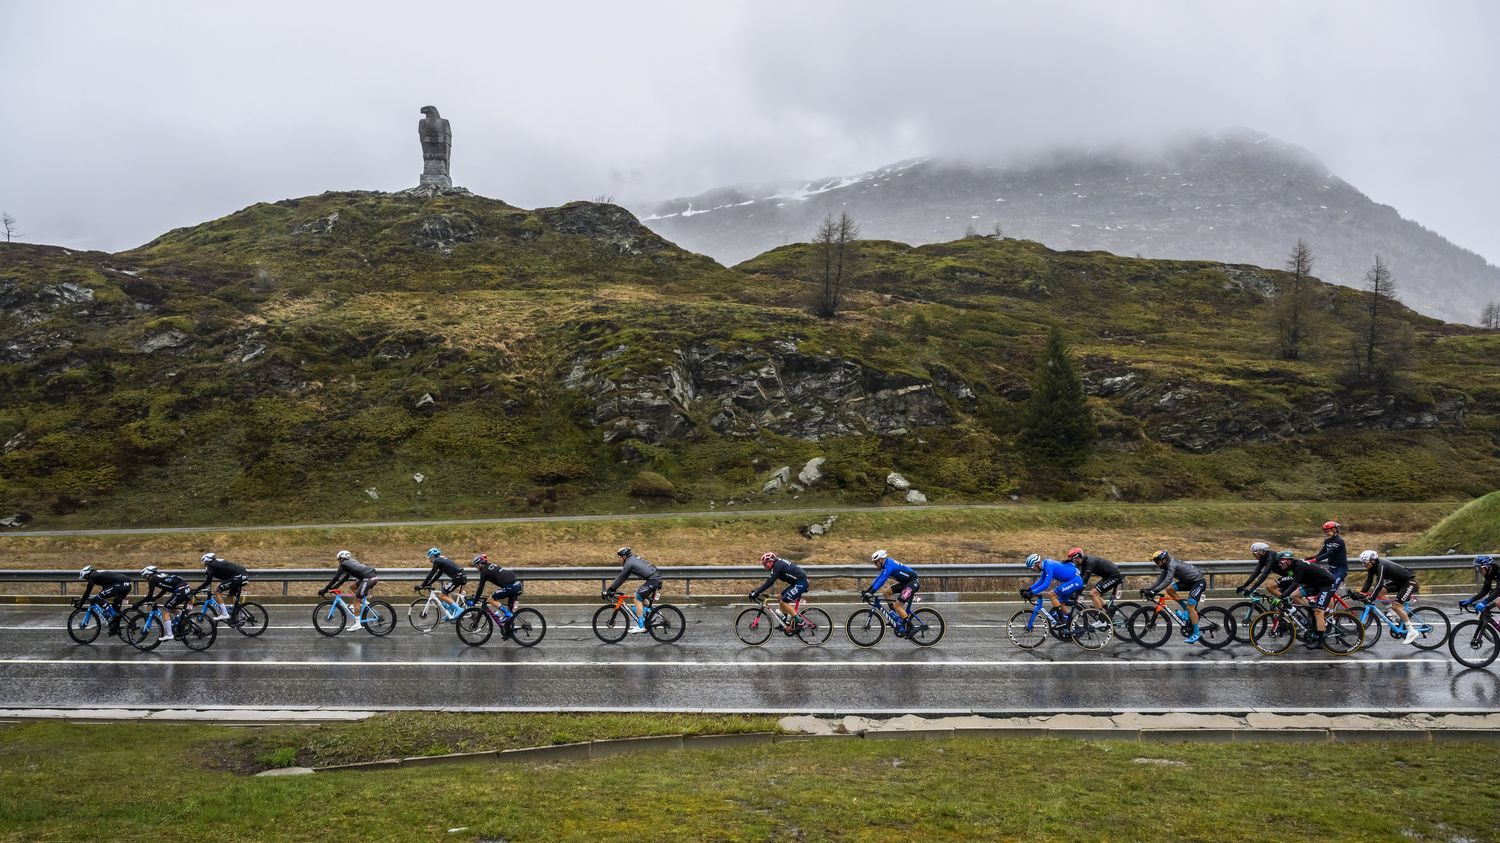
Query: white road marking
(732, 663)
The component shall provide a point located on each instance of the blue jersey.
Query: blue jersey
(893, 570)
(1055, 571)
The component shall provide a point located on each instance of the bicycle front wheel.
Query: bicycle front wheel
(475, 626)
(817, 626)
(666, 623)
(925, 627)
(611, 625)
(1345, 633)
(1241, 613)
(83, 625)
(1150, 628)
(328, 618)
(1023, 633)
(865, 628)
(1272, 633)
(528, 627)
(1091, 629)
(753, 626)
(197, 634)
(1474, 643)
(1119, 618)
(1215, 628)
(424, 615)
(250, 619)
(1432, 628)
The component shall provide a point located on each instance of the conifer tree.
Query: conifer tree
(1058, 429)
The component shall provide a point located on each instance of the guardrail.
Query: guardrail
(934, 575)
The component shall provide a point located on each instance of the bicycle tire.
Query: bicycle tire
(379, 618)
(329, 619)
(1150, 628)
(138, 636)
(1433, 627)
(84, 625)
(1119, 618)
(1027, 638)
(821, 628)
(1477, 648)
(1215, 628)
(865, 627)
(1272, 633)
(753, 626)
(528, 627)
(197, 634)
(474, 626)
(666, 623)
(611, 625)
(1091, 629)
(1241, 613)
(929, 630)
(424, 616)
(250, 619)
(1374, 626)
(1345, 635)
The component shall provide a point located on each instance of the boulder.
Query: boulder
(812, 472)
(914, 496)
(897, 482)
(818, 529)
(777, 479)
(171, 338)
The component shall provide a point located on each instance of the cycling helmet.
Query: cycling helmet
(148, 571)
(1075, 553)
(878, 557)
(1285, 556)
(434, 553)
(89, 569)
(1260, 547)
(1483, 561)
(768, 559)
(345, 556)
(1331, 525)
(209, 557)
(481, 559)
(1368, 557)
(624, 552)
(1160, 556)
(1033, 560)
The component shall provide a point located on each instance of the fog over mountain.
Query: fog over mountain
(1237, 196)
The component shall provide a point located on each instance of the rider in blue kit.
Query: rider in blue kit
(905, 584)
(1069, 584)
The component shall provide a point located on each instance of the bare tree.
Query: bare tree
(1293, 304)
(1383, 346)
(1490, 317)
(1381, 286)
(970, 231)
(833, 261)
(8, 222)
(998, 233)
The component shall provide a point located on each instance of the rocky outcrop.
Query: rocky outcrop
(442, 232)
(812, 472)
(608, 225)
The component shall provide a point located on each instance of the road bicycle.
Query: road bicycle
(755, 624)
(1243, 612)
(1151, 625)
(1119, 611)
(1089, 628)
(477, 623)
(86, 621)
(1476, 642)
(332, 615)
(144, 629)
(867, 626)
(249, 619)
(1431, 624)
(612, 622)
(1273, 632)
(425, 614)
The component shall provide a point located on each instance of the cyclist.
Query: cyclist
(352, 569)
(1489, 590)
(159, 584)
(790, 572)
(1265, 563)
(1088, 566)
(453, 577)
(1176, 574)
(1313, 580)
(1335, 554)
(1069, 584)
(233, 578)
(904, 585)
(113, 589)
(1382, 574)
(635, 566)
(507, 587)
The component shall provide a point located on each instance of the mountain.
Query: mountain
(314, 357)
(1239, 197)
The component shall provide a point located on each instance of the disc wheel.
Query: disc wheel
(1023, 634)
(1091, 629)
(1215, 628)
(83, 625)
(424, 615)
(926, 627)
(379, 618)
(865, 627)
(611, 625)
(474, 626)
(197, 633)
(816, 626)
(1345, 635)
(250, 619)
(328, 618)
(143, 631)
(1475, 643)
(528, 627)
(666, 623)
(753, 626)
(1151, 628)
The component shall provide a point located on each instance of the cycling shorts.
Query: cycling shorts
(1338, 578)
(648, 588)
(1403, 590)
(454, 583)
(1069, 590)
(794, 592)
(234, 585)
(362, 589)
(178, 597)
(115, 592)
(1194, 589)
(1109, 585)
(909, 590)
(509, 592)
(1319, 599)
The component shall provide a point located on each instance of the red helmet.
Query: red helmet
(1330, 525)
(768, 559)
(1075, 553)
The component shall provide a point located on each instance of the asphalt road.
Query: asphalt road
(974, 669)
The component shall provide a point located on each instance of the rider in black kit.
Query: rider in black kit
(233, 579)
(159, 584)
(635, 566)
(352, 569)
(1089, 565)
(1335, 554)
(1317, 582)
(443, 568)
(1265, 565)
(113, 589)
(507, 587)
(789, 572)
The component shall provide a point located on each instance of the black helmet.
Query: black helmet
(624, 552)
(1160, 557)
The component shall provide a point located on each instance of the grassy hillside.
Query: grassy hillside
(1474, 528)
(308, 358)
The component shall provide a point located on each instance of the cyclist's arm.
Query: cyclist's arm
(1258, 576)
(885, 574)
(771, 580)
(88, 588)
(614, 586)
(1162, 581)
(432, 576)
(340, 577)
(1374, 577)
(1042, 584)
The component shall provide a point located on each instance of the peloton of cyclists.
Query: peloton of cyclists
(788, 572)
(904, 585)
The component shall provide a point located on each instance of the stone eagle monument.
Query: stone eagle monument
(437, 145)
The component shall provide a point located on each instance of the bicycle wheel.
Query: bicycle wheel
(926, 627)
(1215, 628)
(1241, 613)
(143, 631)
(83, 625)
(611, 624)
(817, 626)
(1374, 626)
(379, 618)
(865, 627)
(423, 615)
(1091, 629)
(1474, 643)
(1151, 628)
(1432, 627)
(1272, 633)
(328, 618)
(474, 626)
(197, 633)
(666, 623)
(1345, 634)
(250, 619)
(753, 626)
(1023, 633)
(1119, 618)
(528, 627)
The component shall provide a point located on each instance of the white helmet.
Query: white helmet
(1260, 547)
(1368, 556)
(209, 557)
(148, 571)
(1033, 560)
(83, 574)
(345, 556)
(878, 557)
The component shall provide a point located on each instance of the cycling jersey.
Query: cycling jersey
(1313, 578)
(1335, 555)
(159, 584)
(112, 586)
(635, 566)
(1096, 566)
(221, 569)
(1264, 567)
(1489, 590)
(893, 570)
(782, 569)
(1177, 573)
(444, 568)
(1385, 572)
(1054, 571)
(489, 572)
(351, 569)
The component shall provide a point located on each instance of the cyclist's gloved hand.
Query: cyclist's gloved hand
(603, 595)
(752, 595)
(1479, 607)
(866, 593)
(322, 592)
(1026, 594)
(1463, 604)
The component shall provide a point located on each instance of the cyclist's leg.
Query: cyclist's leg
(908, 596)
(1067, 595)
(898, 600)
(646, 592)
(1398, 601)
(789, 598)
(1319, 604)
(1195, 594)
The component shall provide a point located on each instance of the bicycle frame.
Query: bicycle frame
(340, 603)
(449, 610)
(628, 606)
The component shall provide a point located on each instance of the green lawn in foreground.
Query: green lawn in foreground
(143, 781)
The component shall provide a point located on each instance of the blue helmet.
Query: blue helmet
(1483, 561)
(434, 553)
(1033, 560)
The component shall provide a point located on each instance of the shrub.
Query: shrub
(649, 484)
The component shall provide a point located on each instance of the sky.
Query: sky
(122, 120)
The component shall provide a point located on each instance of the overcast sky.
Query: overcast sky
(125, 119)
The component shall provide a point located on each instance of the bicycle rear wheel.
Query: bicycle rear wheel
(328, 618)
(865, 627)
(1344, 635)
(1119, 618)
(817, 626)
(1023, 633)
(424, 615)
(1474, 643)
(528, 627)
(753, 626)
(926, 627)
(143, 631)
(250, 619)
(379, 618)
(1151, 628)
(1215, 628)
(474, 626)
(666, 623)
(1272, 633)
(1432, 628)
(197, 634)
(1241, 613)
(1091, 629)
